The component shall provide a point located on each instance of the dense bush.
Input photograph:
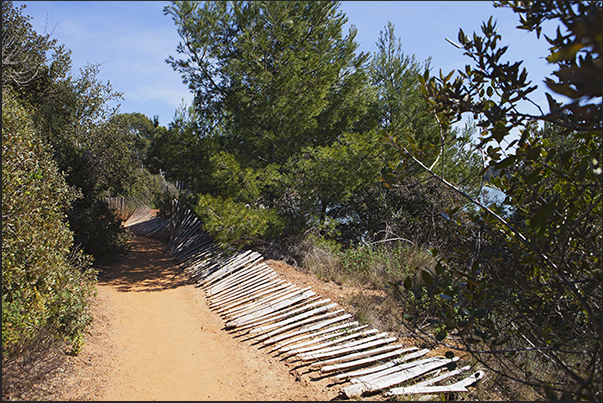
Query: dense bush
(238, 223)
(63, 151)
(89, 143)
(525, 297)
(46, 284)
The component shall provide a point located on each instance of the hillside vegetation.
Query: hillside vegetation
(346, 164)
(63, 150)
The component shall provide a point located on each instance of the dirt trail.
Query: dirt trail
(154, 338)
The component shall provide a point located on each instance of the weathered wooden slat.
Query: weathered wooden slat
(214, 264)
(338, 343)
(353, 356)
(363, 362)
(374, 385)
(207, 265)
(275, 305)
(246, 312)
(199, 264)
(358, 346)
(245, 288)
(360, 350)
(190, 230)
(284, 346)
(362, 359)
(257, 276)
(284, 313)
(377, 368)
(275, 288)
(392, 369)
(267, 304)
(250, 291)
(182, 229)
(272, 338)
(224, 268)
(197, 247)
(271, 300)
(182, 217)
(229, 269)
(232, 281)
(188, 247)
(428, 382)
(298, 323)
(185, 219)
(329, 341)
(202, 260)
(460, 386)
(294, 319)
(242, 289)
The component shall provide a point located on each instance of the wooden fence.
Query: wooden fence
(294, 322)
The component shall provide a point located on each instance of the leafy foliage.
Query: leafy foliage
(46, 286)
(237, 223)
(23, 50)
(529, 289)
(267, 72)
(321, 180)
(272, 81)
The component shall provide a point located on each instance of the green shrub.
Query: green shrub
(97, 229)
(234, 222)
(151, 189)
(46, 285)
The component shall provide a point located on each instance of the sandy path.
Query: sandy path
(167, 345)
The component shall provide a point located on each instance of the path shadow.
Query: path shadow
(145, 268)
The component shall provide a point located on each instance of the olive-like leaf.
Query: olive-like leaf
(427, 277)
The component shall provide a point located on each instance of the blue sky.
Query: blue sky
(132, 39)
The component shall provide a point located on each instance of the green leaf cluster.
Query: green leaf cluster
(528, 289)
(46, 286)
(234, 222)
(64, 149)
(288, 116)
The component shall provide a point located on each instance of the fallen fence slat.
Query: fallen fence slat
(356, 346)
(460, 386)
(353, 356)
(268, 338)
(366, 361)
(247, 311)
(250, 291)
(305, 347)
(276, 339)
(381, 367)
(305, 305)
(294, 319)
(241, 272)
(305, 334)
(392, 369)
(358, 389)
(245, 288)
(273, 306)
(275, 288)
(402, 390)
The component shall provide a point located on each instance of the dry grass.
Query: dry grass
(382, 271)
